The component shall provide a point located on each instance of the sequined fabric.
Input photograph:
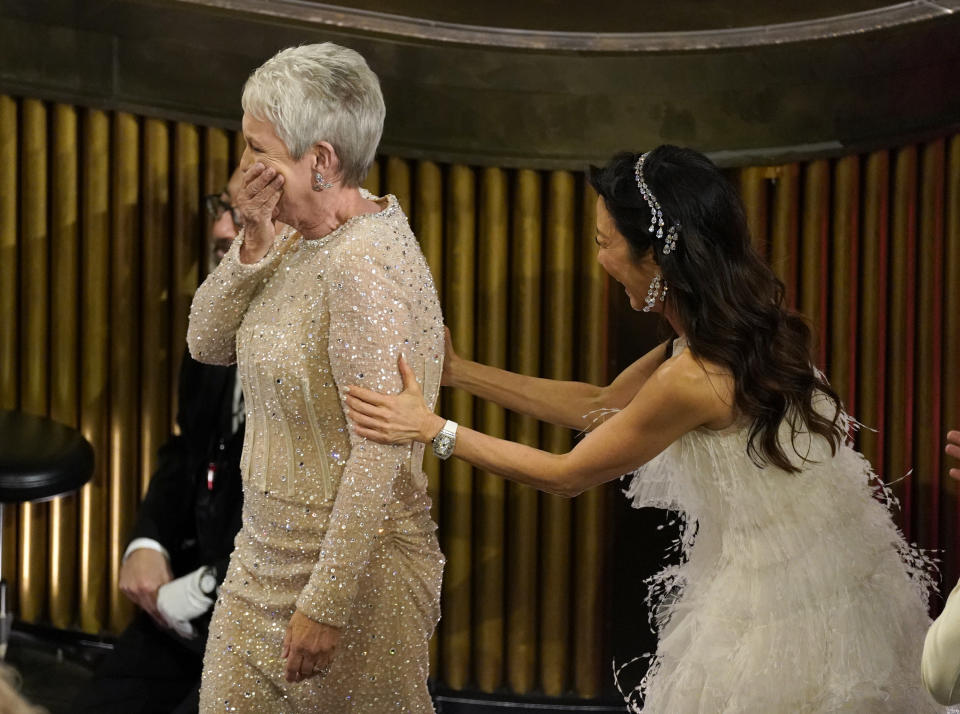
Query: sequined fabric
(333, 524)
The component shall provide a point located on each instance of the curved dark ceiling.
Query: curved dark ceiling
(603, 26)
(533, 83)
(612, 15)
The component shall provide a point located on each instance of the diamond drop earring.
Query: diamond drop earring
(652, 292)
(318, 183)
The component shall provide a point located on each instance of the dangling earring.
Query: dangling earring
(652, 292)
(318, 183)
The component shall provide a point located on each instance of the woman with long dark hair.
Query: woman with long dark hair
(797, 593)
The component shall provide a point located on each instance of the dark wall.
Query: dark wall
(496, 96)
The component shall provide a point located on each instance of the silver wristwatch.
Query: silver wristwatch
(208, 580)
(444, 442)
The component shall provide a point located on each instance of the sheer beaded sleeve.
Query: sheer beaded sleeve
(370, 321)
(221, 301)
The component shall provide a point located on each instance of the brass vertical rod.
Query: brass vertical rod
(561, 232)
(124, 353)
(64, 352)
(489, 537)
(9, 260)
(845, 271)
(785, 232)
(95, 367)
(216, 169)
(9, 310)
(754, 190)
(813, 266)
(590, 508)
(522, 511)
(155, 297)
(457, 488)
(901, 343)
(929, 345)
(188, 246)
(35, 347)
(873, 307)
(427, 222)
(428, 219)
(398, 183)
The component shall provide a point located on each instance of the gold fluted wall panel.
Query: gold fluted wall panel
(101, 228)
(869, 249)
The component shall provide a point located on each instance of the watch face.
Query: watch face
(443, 445)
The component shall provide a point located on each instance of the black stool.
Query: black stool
(39, 460)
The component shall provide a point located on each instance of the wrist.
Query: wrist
(257, 239)
(452, 372)
(432, 426)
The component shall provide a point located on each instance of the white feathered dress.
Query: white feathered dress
(797, 593)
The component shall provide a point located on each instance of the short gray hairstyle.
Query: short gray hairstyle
(320, 92)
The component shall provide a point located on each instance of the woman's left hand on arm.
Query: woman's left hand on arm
(308, 647)
(393, 419)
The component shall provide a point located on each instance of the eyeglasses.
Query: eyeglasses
(216, 207)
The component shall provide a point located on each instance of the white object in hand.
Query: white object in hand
(181, 600)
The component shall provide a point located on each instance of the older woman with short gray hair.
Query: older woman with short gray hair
(333, 587)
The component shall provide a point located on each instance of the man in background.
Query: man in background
(183, 537)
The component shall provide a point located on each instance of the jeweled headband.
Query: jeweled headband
(656, 214)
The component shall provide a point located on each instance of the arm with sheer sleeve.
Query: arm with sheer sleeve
(221, 302)
(370, 320)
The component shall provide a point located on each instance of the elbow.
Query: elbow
(568, 485)
(598, 408)
(208, 351)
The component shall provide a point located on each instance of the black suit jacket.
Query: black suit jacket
(195, 524)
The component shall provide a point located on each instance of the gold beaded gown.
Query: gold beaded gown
(333, 525)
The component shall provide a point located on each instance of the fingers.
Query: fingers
(303, 665)
(291, 670)
(953, 437)
(953, 450)
(261, 191)
(367, 395)
(308, 666)
(362, 407)
(955, 473)
(367, 422)
(407, 375)
(372, 435)
(257, 177)
(149, 605)
(285, 650)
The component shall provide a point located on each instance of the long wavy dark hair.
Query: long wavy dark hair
(729, 301)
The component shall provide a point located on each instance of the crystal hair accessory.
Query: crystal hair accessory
(656, 214)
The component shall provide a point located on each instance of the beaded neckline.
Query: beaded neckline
(387, 211)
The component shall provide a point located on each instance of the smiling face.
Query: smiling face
(265, 147)
(615, 257)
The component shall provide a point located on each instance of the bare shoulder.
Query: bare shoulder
(700, 384)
